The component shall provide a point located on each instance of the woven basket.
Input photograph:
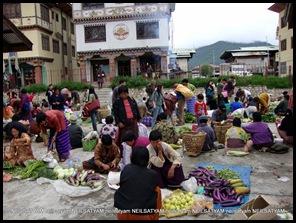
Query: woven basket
(89, 145)
(220, 131)
(193, 142)
(104, 112)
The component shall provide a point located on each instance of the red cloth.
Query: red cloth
(128, 109)
(55, 120)
(31, 97)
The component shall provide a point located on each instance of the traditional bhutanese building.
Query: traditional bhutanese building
(284, 34)
(53, 57)
(121, 37)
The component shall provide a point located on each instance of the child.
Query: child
(109, 128)
(200, 107)
(36, 109)
(69, 103)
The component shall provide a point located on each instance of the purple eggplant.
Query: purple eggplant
(227, 201)
(230, 204)
(240, 198)
(71, 180)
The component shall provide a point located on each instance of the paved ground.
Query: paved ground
(26, 200)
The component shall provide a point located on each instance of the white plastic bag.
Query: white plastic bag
(91, 135)
(190, 185)
(113, 179)
(63, 188)
(52, 164)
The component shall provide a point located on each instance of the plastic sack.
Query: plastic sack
(52, 164)
(63, 188)
(91, 135)
(190, 185)
(113, 179)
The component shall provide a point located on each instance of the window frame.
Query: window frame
(45, 42)
(89, 30)
(89, 6)
(64, 23)
(44, 11)
(283, 44)
(12, 10)
(65, 49)
(153, 32)
(55, 46)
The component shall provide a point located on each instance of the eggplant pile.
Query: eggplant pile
(203, 175)
(223, 193)
(221, 190)
(85, 178)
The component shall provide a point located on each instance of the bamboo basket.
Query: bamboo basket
(220, 131)
(103, 112)
(193, 142)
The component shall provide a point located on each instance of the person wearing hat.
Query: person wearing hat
(219, 116)
(75, 133)
(210, 138)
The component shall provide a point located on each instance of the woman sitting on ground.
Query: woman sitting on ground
(138, 189)
(235, 136)
(261, 135)
(285, 127)
(130, 141)
(165, 161)
(20, 146)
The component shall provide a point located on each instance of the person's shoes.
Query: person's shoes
(62, 160)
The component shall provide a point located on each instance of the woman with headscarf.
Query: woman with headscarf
(57, 123)
(20, 146)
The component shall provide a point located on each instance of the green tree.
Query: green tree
(206, 70)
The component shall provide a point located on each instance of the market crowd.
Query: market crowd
(147, 160)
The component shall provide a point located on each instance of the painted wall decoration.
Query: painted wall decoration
(120, 32)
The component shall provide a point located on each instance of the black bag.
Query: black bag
(279, 148)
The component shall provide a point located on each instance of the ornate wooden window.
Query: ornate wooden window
(56, 46)
(12, 10)
(283, 23)
(87, 6)
(44, 13)
(147, 30)
(283, 45)
(95, 33)
(45, 42)
(57, 17)
(64, 24)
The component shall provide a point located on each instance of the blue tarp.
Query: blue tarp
(244, 174)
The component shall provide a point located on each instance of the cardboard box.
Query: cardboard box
(260, 208)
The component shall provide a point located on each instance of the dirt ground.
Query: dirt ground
(27, 200)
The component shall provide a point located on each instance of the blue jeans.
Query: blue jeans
(156, 111)
(93, 116)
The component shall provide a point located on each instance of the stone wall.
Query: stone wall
(138, 94)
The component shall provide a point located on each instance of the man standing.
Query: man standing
(101, 75)
(181, 104)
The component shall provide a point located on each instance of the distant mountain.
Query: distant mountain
(211, 54)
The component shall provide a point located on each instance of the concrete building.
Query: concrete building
(254, 60)
(121, 37)
(284, 34)
(49, 27)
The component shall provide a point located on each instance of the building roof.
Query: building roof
(288, 16)
(13, 39)
(182, 52)
(248, 51)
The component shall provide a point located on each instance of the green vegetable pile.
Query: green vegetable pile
(33, 170)
(227, 173)
(184, 129)
(189, 117)
(269, 117)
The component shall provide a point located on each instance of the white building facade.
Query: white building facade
(121, 37)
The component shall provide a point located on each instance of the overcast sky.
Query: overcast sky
(201, 24)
